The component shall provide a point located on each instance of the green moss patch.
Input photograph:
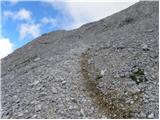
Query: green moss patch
(138, 76)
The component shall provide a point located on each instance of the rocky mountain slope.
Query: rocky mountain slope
(104, 69)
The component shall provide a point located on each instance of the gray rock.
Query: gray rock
(34, 83)
(18, 100)
(142, 115)
(103, 72)
(34, 102)
(82, 113)
(20, 114)
(150, 116)
(82, 87)
(39, 88)
(54, 90)
(135, 70)
(64, 82)
(144, 46)
(37, 59)
(122, 75)
(35, 116)
(149, 30)
(90, 61)
(72, 107)
(74, 100)
(38, 107)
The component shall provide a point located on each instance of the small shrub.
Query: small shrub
(138, 76)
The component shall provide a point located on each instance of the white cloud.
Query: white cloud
(58, 4)
(51, 21)
(29, 29)
(13, 2)
(84, 11)
(22, 14)
(8, 13)
(6, 47)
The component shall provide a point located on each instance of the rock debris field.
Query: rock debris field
(104, 69)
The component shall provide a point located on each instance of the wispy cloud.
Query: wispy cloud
(84, 11)
(28, 29)
(6, 47)
(22, 14)
(13, 2)
(49, 21)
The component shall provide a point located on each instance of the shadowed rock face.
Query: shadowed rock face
(104, 69)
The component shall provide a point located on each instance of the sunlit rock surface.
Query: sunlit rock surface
(104, 69)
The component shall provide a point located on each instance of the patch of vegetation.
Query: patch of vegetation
(26, 61)
(44, 34)
(98, 77)
(139, 72)
(44, 42)
(113, 103)
(138, 76)
(127, 21)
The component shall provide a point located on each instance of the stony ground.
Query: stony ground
(104, 69)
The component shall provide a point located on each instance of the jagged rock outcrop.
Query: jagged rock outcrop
(104, 69)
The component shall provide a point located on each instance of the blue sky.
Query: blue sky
(41, 14)
(23, 21)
